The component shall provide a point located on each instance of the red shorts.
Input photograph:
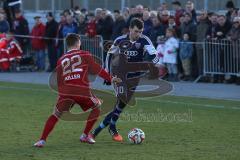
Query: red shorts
(65, 103)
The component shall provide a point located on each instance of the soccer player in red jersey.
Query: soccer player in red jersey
(74, 88)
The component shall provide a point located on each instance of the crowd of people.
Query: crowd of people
(177, 34)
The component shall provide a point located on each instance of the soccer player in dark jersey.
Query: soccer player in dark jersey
(74, 88)
(137, 46)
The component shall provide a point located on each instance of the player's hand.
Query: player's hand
(108, 83)
(115, 80)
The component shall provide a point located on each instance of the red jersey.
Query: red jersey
(73, 69)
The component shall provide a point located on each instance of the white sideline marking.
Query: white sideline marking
(163, 101)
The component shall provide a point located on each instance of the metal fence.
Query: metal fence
(29, 59)
(94, 45)
(221, 57)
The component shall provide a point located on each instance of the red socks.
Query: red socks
(52, 120)
(92, 118)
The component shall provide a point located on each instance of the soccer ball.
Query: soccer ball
(136, 136)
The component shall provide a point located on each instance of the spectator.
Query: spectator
(51, 32)
(164, 16)
(135, 12)
(223, 27)
(178, 12)
(69, 27)
(189, 27)
(98, 14)
(105, 25)
(10, 7)
(170, 54)
(59, 42)
(231, 8)
(67, 12)
(172, 24)
(160, 52)
(234, 14)
(38, 43)
(157, 30)
(202, 28)
(234, 33)
(82, 24)
(211, 32)
(125, 13)
(20, 27)
(147, 23)
(91, 26)
(163, 7)
(84, 11)
(190, 9)
(234, 36)
(186, 52)
(119, 25)
(153, 14)
(77, 10)
(4, 25)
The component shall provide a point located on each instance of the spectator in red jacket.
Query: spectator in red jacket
(178, 12)
(38, 43)
(91, 26)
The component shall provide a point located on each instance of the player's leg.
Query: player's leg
(62, 105)
(121, 104)
(94, 104)
(115, 116)
(103, 124)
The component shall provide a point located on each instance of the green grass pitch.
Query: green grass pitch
(176, 128)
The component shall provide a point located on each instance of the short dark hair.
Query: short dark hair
(116, 11)
(176, 3)
(72, 39)
(230, 4)
(136, 22)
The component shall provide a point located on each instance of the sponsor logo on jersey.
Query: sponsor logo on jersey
(131, 53)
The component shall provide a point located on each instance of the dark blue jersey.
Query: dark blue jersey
(134, 50)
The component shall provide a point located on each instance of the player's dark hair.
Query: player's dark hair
(136, 22)
(72, 39)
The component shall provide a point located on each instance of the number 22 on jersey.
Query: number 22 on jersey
(71, 65)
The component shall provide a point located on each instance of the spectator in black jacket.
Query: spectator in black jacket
(189, 26)
(20, 27)
(119, 25)
(158, 29)
(82, 24)
(4, 25)
(105, 25)
(211, 32)
(223, 27)
(190, 9)
(147, 23)
(59, 42)
(10, 7)
(231, 8)
(51, 32)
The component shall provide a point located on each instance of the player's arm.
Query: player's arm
(114, 49)
(151, 50)
(95, 68)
